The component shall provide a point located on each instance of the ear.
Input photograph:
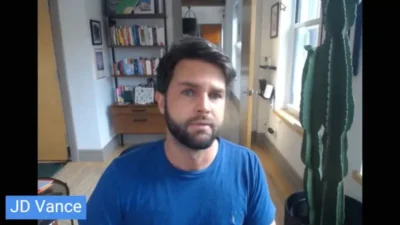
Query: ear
(160, 99)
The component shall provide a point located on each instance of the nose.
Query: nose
(203, 104)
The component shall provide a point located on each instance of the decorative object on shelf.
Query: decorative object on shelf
(144, 95)
(266, 63)
(274, 23)
(126, 7)
(265, 60)
(266, 90)
(95, 30)
(145, 7)
(326, 115)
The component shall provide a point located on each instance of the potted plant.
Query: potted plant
(326, 115)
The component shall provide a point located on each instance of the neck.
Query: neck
(187, 159)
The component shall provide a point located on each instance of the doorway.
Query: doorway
(212, 33)
(52, 135)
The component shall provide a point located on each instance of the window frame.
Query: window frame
(288, 106)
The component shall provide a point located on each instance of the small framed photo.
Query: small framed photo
(144, 7)
(95, 30)
(99, 60)
(274, 30)
(99, 57)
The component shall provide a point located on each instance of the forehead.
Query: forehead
(198, 72)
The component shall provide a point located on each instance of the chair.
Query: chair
(130, 149)
(56, 187)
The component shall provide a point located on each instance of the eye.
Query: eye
(188, 92)
(215, 95)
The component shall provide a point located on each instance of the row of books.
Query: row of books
(139, 66)
(135, 94)
(137, 35)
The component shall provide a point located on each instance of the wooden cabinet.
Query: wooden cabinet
(137, 119)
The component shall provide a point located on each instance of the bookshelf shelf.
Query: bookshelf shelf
(137, 46)
(135, 76)
(137, 42)
(133, 105)
(138, 16)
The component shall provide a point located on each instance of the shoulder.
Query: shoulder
(240, 153)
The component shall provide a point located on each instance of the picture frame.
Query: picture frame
(274, 23)
(96, 32)
(99, 60)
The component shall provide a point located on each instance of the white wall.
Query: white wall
(87, 99)
(75, 60)
(286, 140)
(104, 95)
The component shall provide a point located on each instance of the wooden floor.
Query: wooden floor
(83, 176)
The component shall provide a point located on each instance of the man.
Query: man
(192, 176)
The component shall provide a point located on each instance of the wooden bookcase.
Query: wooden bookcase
(140, 40)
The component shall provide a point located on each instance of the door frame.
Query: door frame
(67, 149)
(250, 90)
(62, 75)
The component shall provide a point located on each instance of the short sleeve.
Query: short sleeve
(260, 210)
(104, 205)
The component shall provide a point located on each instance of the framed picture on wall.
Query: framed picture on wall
(95, 30)
(274, 29)
(99, 58)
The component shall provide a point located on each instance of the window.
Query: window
(305, 31)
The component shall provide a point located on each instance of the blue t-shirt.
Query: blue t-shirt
(142, 188)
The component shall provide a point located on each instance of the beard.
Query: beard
(199, 140)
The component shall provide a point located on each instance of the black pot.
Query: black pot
(189, 26)
(296, 210)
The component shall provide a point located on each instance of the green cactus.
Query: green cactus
(326, 115)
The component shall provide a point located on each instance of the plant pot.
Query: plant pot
(296, 210)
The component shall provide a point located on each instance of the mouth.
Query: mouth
(200, 125)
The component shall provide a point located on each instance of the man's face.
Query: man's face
(195, 103)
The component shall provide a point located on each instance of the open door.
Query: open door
(248, 26)
(211, 32)
(52, 144)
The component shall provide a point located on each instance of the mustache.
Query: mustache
(201, 119)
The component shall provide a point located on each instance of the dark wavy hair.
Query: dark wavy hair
(191, 47)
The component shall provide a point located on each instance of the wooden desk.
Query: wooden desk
(137, 119)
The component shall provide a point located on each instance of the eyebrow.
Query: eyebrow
(193, 85)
